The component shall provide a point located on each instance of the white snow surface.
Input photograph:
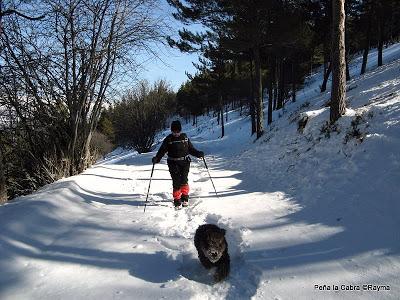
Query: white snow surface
(321, 207)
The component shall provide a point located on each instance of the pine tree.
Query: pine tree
(235, 30)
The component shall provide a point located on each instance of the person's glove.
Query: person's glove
(155, 160)
(200, 154)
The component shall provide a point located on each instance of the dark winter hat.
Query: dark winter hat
(176, 126)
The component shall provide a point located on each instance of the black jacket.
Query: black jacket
(177, 147)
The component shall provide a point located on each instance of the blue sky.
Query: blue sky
(171, 64)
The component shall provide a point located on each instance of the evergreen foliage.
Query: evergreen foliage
(282, 41)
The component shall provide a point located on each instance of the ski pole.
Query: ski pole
(148, 190)
(210, 176)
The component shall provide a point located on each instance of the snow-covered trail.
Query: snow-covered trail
(87, 237)
(300, 210)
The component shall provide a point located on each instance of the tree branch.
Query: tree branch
(13, 11)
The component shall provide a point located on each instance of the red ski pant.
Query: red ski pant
(182, 192)
(179, 171)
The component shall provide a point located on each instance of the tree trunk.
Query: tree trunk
(252, 101)
(327, 55)
(3, 187)
(72, 147)
(281, 89)
(381, 37)
(338, 95)
(347, 47)
(347, 68)
(326, 77)
(275, 82)
(293, 82)
(366, 45)
(259, 94)
(221, 108)
(271, 93)
(86, 161)
(392, 25)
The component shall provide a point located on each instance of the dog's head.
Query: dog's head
(214, 245)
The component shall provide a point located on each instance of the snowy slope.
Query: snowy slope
(319, 207)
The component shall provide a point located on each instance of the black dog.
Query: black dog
(212, 249)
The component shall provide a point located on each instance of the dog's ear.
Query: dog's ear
(223, 231)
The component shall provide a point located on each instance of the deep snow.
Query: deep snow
(319, 207)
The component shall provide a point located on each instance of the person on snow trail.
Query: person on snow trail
(178, 146)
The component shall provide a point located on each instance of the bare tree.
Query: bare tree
(338, 95)
(58, 72)
(7, 10)
(95, 38)
(83, 43)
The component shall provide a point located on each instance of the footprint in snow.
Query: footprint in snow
(201, 179)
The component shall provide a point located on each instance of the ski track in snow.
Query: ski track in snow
(181, 225)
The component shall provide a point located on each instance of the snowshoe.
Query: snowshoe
(185, 200)
(177, 204)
